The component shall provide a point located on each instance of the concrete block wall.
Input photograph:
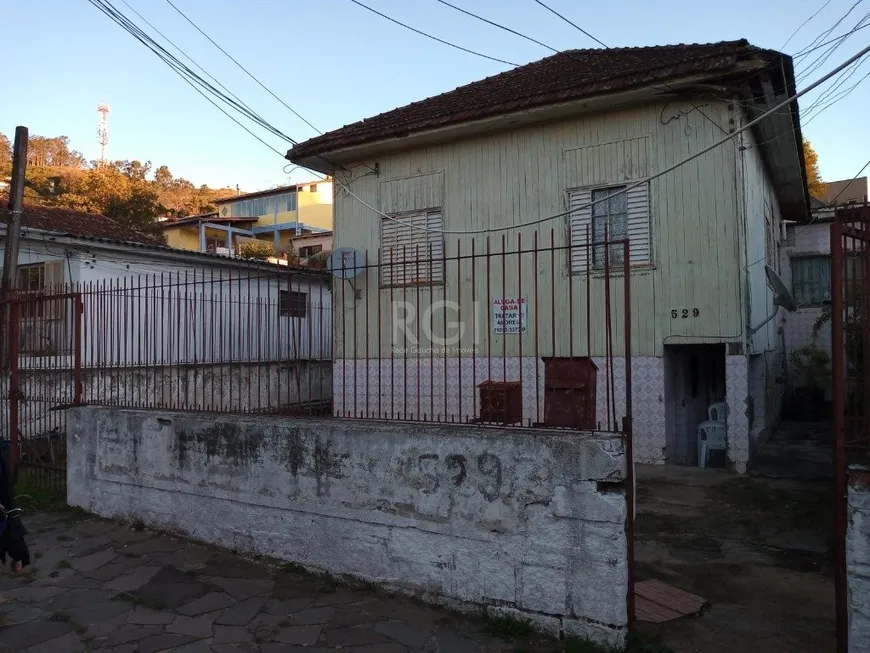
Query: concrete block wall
(524, 523)
(858, 559)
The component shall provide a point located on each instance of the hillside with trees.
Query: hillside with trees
(125, 190)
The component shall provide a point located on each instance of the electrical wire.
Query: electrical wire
(800, 27)
(625, 189)
(494, 24)
(829, 205)
(802, 53)
(572, 24)
(822, 58)
(429, 36)
(245, 70)
(643, 181)
(106, 7)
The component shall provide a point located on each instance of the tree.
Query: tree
(814, 178)
(5, 155)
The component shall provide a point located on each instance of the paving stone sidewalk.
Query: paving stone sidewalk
(101, 586)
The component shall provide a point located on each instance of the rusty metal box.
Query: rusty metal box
(501, 401)
(570, 386)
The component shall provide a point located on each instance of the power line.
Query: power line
(106, 7)
(831, 204)
(628, 187)
(429, 36)
(572, 24)
(245, 70)
(802, 53)
(641, 182)
(800, 27)
(494, 24)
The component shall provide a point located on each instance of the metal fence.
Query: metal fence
(247, 341)
(850, 332)
(443, 333)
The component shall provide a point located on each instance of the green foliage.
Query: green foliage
(60, 177)
(257, 249)
(812, 365)
(5, 156)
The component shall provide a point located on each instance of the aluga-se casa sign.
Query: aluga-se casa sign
(510, 315)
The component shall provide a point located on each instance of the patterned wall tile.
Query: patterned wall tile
(737, 392)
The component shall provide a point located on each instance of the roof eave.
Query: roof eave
(326, 161)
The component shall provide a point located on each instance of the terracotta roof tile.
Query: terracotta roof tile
(566, 76)
(78, 223)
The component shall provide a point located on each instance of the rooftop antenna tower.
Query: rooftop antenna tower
(103, 131)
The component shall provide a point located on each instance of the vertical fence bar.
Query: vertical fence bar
(458, 414)
(538, 413)
(14, 386)
(78, 312)
(521, 304)
(628, 431)
(474, 329)
(839, 400)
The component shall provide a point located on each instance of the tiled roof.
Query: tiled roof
(563, 77)
(78, 223)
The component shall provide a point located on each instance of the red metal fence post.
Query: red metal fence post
(839, 401)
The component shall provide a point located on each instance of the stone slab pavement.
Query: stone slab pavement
(100, 586)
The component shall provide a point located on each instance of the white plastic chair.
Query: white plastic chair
(718, 412)
(711, 435)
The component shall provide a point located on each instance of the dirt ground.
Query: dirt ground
(757, 549)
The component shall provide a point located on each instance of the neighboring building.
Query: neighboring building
(807, 266)
(62, 249)
(554, 134)
(279, 216)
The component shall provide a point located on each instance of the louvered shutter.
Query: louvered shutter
(411, 254)
(580, 228)
(638, 226)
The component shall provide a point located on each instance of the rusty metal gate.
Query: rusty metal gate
(42, 375)
(850, 335)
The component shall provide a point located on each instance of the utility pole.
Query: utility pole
(13, 222)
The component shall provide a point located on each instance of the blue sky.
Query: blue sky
(336, 63)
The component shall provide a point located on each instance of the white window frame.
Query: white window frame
(638, 227)
(412, 256)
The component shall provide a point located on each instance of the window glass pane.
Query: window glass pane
(811, 280)
(617, 202)
(601, 208)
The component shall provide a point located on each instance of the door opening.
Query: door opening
(694, 380)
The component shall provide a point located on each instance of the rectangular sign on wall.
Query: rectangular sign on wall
(510, 315)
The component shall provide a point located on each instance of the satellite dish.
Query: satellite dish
(345, 263)
(781, 294)
(781, 297)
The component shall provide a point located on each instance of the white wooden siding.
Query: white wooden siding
(524, 175)
(763, 235)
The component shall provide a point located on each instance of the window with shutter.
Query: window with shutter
(612, 211)
(412, 249)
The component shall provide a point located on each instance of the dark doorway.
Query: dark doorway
(694, 379)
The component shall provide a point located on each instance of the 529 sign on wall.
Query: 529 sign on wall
(684, 313)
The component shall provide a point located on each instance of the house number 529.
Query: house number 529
(684, 312)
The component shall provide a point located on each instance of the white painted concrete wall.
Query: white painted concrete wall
(858, 560)
(533, 527)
